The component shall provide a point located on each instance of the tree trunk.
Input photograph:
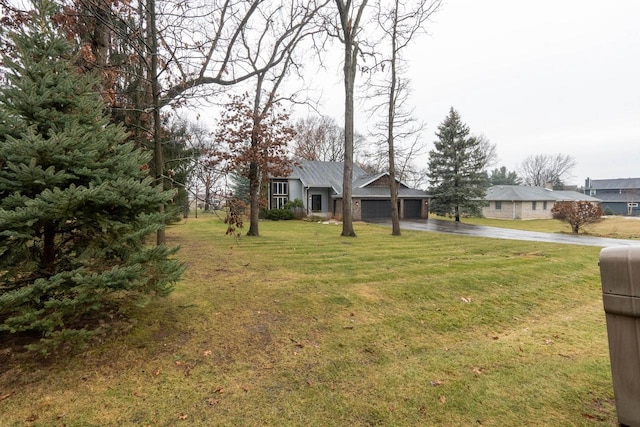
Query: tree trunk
(254, 170)
(350, 55)
(49, 250)
(158, 159)
(254, 200)
(393, 186)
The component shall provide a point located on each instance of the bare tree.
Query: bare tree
(490, 151)
(400, 21)
(206, 182)
(542, 169)
(318, 138)
(165, 52)
(348, 31)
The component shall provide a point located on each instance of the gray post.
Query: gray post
(620, 276)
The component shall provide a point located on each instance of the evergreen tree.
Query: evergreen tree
(503, 176)
(76, 201)
(456, 169)
(240, 187)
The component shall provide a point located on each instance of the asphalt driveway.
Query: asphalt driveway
(441, 226)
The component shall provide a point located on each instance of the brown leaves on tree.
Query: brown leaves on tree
(235, 216)
(253, 141)
(248, 137)
(577, 214)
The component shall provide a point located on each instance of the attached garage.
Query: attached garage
(375, 209)
(412, 208)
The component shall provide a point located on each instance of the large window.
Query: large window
(279, 194)
(533, 205)
(280, 189)
(279, 202)
(316, 202)
(498, 205)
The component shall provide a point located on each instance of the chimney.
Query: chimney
(548, 185)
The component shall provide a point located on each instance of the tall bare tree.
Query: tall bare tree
(166, 52)
(348, 31)
(542, 169)
(400, 21)
(318, 138)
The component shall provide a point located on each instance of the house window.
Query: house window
(279, 202)
(533, 205)
(592, 192)
(316, 202)
(279, 194)
(544, 206)
(280, 189)
(498, 205)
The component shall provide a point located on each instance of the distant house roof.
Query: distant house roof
(614, 184)
(526, 193)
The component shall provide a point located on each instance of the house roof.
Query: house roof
(323, 174)
(329, 175)
(384, 193)
(527, 193)
(614, 184)
(619, 197)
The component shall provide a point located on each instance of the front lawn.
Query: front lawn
(302, 327)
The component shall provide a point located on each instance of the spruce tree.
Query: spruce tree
(76, 199)
(456, 169)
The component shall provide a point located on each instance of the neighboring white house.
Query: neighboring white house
(525, 202)
(319, 186)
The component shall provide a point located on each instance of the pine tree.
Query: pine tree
(76, 201)
(456, 169)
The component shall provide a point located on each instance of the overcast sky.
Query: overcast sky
(545, 76)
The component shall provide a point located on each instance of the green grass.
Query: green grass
(304, 327)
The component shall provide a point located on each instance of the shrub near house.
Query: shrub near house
(577, 214)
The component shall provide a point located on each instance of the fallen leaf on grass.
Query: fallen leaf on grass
(442, 400)
(6, 396)
(212, 402)
(245, 388)
(207, 353)
(548, 342)
(465, 300)
(435, 383)
(182, 416)
(477, 371)
(219, 390)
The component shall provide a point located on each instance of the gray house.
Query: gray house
(619, 196)
(525, 202)
(319, 186)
